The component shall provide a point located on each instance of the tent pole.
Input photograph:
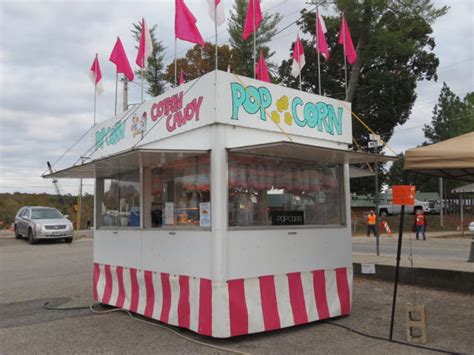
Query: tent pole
(441, 222)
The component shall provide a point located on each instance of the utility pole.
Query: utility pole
(375, 142)
(79, 200)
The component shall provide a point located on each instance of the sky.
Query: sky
(47, 48)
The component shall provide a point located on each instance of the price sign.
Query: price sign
(403, 195)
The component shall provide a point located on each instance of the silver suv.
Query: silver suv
(36, 222)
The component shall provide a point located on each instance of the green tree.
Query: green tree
(395, 51)
(424, 183)
(153, 73)
(242, 54)
(452, 116)
(200, 60)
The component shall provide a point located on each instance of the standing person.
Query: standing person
(420, 221)
(371, 223)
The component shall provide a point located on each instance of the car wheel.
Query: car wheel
(68, 240)
(31, 239)
(17, 236)
(383, 213)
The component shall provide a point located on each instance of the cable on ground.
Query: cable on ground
(49, 308)
(388, 340)
(91, 308)
(92, 305)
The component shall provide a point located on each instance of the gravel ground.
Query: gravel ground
(62, 274)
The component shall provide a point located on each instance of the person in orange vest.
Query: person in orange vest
(420, 222)
(371, 223)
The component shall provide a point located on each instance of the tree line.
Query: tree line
(10, 203)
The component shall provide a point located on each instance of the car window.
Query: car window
(20, 212)
(25, 213)
(45, 213)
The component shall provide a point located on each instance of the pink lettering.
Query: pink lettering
(154, 114)
(197, 106)
(179, 101)
(170, 124)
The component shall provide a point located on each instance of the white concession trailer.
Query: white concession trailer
(223, 206)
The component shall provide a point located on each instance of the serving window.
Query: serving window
(118, 200)
(266, 191)
(180, 193)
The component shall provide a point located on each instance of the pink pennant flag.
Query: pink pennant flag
(119, 58)
(253, 18)
(298, 58)
(181, 77)
(346, 40)
(261, 69)
(216, 11)
(145, 49)
(321, 44)
(185, 24)
(95, 75)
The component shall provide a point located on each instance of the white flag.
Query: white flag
(216, 11)
(145, 49)
(298, 58)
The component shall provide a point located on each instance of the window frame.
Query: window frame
(341, 188)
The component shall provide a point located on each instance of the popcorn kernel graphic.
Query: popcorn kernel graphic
(275, 117)
(282, 104)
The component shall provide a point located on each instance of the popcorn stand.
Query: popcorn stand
(223, 206)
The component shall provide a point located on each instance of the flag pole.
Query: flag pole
(344, 48)
(116, 88)
(215, 32)
(319, 50)
(175, 62)
(299, 62)
(143, 62)
(254, 41)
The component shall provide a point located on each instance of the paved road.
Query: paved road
(449, 249)
(62, 274)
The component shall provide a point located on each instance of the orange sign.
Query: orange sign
(403, 195)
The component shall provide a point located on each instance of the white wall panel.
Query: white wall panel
(182, 253)
(255, 253)
(120, 247)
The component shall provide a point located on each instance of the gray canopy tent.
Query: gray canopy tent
(452, 158)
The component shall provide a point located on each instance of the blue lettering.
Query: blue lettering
(322, 113)
(311, 114)
(297, 102)
(238, 98)
(265, 101)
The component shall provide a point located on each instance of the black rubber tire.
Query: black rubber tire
(383, 213)
(31, 238)
(17, 236)
(68, 240)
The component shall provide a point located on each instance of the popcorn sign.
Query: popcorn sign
(320, 116)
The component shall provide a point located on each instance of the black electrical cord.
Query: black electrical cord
(386, 339)
(45, 306)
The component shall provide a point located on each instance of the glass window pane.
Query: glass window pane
(269, 191)
(120, 204)
(180, 193)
